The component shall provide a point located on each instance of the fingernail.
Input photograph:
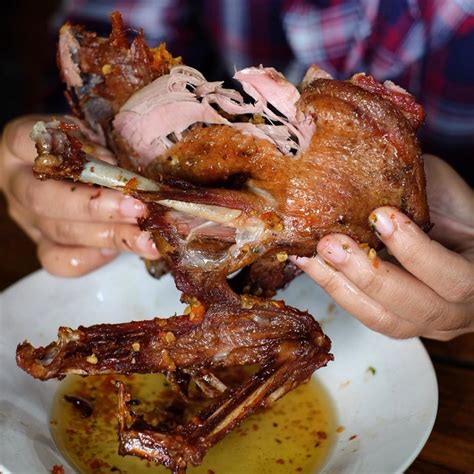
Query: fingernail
(146, 245)
(130, 207)
(298, 260)
(334, 250)
(383, 222)
(108, 252)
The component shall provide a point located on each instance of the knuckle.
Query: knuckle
(64, 232)
(126, 238)
(114, 237)
(370, 281)
(451, 320)
(330, 282)
(462, 291)
(415, 251)
(118, 236)
(385, 322)
(94, 208)
(437, 315)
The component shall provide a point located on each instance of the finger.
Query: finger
(16, 139)
(354, 300)
(449, 274)
(394, 288)
(447, 191)
(451, 202)
(69, 261)
(120, 237)
(72, 201)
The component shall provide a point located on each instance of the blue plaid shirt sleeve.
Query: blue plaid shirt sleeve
(424, 46)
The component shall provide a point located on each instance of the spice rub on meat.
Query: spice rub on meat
(232, 183)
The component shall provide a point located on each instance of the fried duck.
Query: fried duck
(234, 182)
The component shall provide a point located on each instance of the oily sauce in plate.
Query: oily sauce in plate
(294, 435)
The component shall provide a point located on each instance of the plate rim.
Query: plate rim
(422, 440)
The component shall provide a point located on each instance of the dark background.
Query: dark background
(27, 82)
(28, 76)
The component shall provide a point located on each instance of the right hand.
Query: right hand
(77, 227)
(429, 290)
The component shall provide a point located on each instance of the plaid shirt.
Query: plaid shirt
(425, 46)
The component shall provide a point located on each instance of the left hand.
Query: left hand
(432, 293)
(77, 227)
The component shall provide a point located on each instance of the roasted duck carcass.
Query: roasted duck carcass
(233, 182)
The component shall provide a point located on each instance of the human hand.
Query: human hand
(431, 293)
(77, 227)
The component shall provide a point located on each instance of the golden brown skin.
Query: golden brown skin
(287, 344)
(114, 68)
(364, 154)
(111, 70)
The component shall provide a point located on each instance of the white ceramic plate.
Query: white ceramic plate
(392, 412)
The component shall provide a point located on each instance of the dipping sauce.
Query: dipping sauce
(294, 435)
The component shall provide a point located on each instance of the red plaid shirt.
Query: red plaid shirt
(425, 46)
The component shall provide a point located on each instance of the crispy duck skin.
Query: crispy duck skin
(287, 344)
(230, 184)
(363, 155)
(363, 148)
(223, 329)
(245, 332)
(101, 74)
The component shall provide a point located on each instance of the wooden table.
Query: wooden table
(450, 448)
